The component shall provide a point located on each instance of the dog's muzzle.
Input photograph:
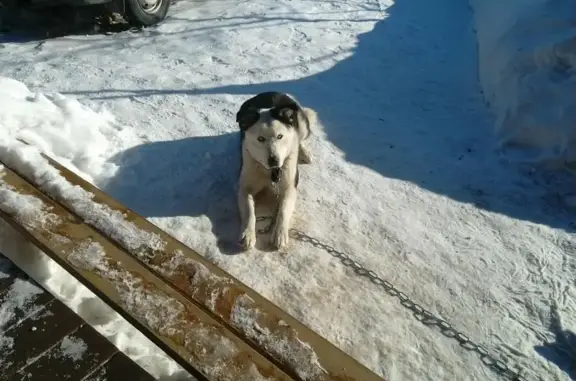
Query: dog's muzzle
(273, 162)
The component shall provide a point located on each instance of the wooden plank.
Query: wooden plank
(296, 348)
(20, 298)
(185, 331)
(73, 358)
(44, 330)
(119, 368)
(6, 274)
(36, 335)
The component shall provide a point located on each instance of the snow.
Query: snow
(19, 299)
(404, 177)
(16, 303)
(30, 210)
(50, 122)
(527, 60)
(300, 355)
(73, 348)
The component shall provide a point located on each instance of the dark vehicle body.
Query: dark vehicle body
(136, 12)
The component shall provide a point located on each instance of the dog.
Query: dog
(273, 127)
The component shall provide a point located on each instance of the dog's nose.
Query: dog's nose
(273, 162)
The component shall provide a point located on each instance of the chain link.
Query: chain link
(421, 314)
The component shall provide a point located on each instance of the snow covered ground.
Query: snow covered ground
(404, 177)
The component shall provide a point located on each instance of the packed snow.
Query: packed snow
(404, 178)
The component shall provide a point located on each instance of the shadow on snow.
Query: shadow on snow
(406, 104)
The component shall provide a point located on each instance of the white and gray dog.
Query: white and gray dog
(273, 126)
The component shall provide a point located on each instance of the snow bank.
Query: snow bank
(81, 139)
(527, 53)
(59, 126)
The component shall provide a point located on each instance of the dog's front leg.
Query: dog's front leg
(248, 216)
(280, 235)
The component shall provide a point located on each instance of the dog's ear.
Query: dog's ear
(288, 115)
(246, 118)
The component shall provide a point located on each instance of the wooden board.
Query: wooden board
(36, 335)
(42, 339)
(19, 297)
(70, 358)
(188, 333)
(118, 368)
(6, 269)
(303, 354)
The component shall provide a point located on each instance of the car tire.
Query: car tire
(138, 15)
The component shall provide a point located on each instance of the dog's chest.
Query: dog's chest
(274, 188)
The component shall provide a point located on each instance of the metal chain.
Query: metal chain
(421, 314)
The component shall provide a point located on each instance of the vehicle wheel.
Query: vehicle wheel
(10, 13)
(146, 12)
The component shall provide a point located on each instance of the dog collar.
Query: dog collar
(275, 175)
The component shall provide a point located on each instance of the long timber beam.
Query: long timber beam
(273, 342)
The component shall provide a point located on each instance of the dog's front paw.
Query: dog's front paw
(280, 237)
(248, 240)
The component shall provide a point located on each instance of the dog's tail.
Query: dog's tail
(310, 118)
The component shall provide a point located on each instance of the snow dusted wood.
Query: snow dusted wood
(70, 359)
(186, 332)
(299, 351)
(35, 335)
(42, 339)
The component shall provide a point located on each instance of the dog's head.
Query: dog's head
(270, 127)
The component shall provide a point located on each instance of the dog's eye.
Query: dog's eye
(261, 138)
(279, 136)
